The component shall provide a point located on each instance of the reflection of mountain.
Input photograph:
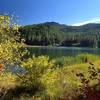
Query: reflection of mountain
(52, 33)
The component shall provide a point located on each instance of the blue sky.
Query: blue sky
(70, 12)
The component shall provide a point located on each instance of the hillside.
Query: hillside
(52, 33)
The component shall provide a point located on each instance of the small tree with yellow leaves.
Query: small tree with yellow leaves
(10, 42)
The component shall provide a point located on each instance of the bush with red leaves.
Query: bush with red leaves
(90, 92)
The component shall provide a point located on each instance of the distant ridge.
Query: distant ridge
(53, 33)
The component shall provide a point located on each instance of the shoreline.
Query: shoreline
(58, 47)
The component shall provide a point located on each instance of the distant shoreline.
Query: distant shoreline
(42, 46)
(57, 46)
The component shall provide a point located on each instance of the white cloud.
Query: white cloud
(94, 20)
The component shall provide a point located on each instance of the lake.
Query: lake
(54, 52)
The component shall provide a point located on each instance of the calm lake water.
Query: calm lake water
(54, 52)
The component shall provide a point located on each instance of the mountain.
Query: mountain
(53, 33)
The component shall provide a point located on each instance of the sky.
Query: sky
(69, 12)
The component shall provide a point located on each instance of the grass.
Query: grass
(82, 58)
(57, 78)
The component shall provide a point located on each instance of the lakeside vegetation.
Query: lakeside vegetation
(53, 79)
(71, 78)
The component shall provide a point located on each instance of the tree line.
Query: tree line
(55, 34)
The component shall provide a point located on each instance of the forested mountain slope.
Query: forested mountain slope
(52, 33)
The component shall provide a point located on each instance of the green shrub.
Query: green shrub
(35, 67)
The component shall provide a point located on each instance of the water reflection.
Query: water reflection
(54, 52)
